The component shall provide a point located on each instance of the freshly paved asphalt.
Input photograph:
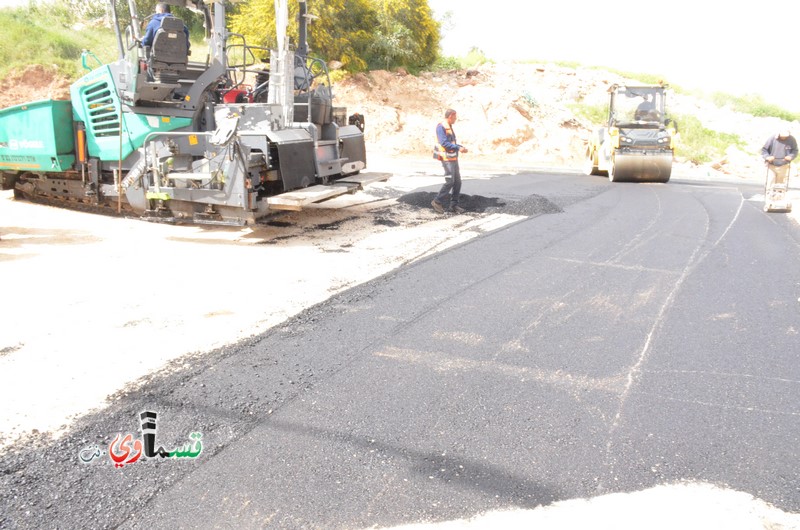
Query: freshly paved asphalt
(642, 335)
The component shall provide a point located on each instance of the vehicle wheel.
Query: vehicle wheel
(590, 166)
(612, 171)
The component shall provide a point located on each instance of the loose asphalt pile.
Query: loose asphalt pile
(529, 206)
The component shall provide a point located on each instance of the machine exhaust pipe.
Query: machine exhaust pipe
(302, 47)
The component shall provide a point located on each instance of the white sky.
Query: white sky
(733, 47)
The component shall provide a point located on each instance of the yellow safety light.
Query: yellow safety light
(614, 133)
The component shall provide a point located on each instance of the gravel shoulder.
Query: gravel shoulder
(93, 304)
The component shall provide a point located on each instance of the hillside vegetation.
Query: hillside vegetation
(47, 36)
(55, 38)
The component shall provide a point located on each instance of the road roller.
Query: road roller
(636, 144)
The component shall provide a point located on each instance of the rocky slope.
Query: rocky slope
(510, 114)
(522, 114)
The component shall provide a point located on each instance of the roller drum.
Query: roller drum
(641, 167)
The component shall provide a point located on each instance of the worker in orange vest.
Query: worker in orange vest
(447, 150)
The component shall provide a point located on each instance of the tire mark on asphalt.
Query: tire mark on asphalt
(722, 406)
(698, 256)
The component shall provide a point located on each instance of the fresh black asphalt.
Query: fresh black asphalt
(628, 336)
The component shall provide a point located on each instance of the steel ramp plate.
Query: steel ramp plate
(295, 200)
(365, 179)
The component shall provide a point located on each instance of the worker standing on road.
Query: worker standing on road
(447, 150)
(778, 152)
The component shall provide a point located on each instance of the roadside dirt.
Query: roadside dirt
(525, 114)
(508, 113)
(32, 84)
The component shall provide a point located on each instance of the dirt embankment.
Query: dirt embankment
(504, 111)
(524, 114)
(32, 84)
(509, 114)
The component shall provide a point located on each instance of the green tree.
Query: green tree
(357, 33)
(256, 21)
(392, 45)
(409, 26)
(340, 30)
(343, 32)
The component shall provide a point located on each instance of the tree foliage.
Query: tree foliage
(408, 35)
(82, 10)
(358, 33)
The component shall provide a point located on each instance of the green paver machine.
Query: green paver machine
(158, 135)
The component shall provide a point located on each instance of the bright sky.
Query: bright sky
(733, 47)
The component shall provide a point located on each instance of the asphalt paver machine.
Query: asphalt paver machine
(161, 136)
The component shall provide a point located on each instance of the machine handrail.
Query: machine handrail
(84, 55)
(248, 59)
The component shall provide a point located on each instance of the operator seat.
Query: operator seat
(169, 53)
